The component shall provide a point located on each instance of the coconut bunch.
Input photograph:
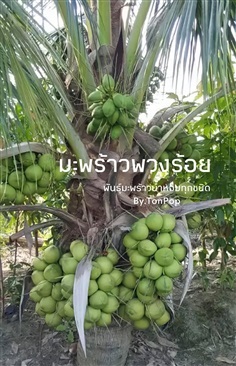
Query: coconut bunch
(54, 275)
(155, 253)
(134, 293)
(26, 175)
(183, 144)
(112, 112)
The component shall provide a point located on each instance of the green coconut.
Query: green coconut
(53, 273)
(164, 256)
(147, 248)
(135, 309)
(146, 287)
(163, 240)
(154, 221)
(33, 173)
(152, 270)
(47, 162)
(98, 300)
(155, 310)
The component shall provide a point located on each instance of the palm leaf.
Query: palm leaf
(23, 67)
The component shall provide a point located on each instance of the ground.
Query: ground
(203, 333)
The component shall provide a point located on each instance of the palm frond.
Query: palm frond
(23, 68)
(69, 14)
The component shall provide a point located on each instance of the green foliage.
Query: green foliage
(68, 328)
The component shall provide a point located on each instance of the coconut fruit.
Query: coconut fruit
(96, 270)
(65, 255)
(168, 223)
(138, 260)
(117, 275)
(51, 254)
(179, 251)
(65, 294)
(186, 189)
(33, 173)
(60, 308)
(53, 272)
(67, 283)
(29, 188)
(88, 325)
(93, 287)
(44, 181)
(152, 270)
(139, 231)
(105, 264)
(164, 319)
(47, 162)
(106, 282)
(194, 221)
(98, 300)
(56, 292)
(125, 294)
(59, 175)
(129, 280)
(147, 248)
(148, 299)
(129, 242)
(19, 199)
(39, 264)
(173, 270)
(27, 158)
(146, 287)
(175, 238)
(37, 277)
(112, 305)
(41, 190)
(154, 221)
(69, 265)
(138, 272)
(134, 309)
(53, 320)
(115, 292)
(44, 288)
(92, 315)
(155, 310)
(48, 304)
(7, 193)
(38, 310)
(104, 320)
(164, 285)
(142, 324)
(16, 179)
(113, 255)
(163, 240)
(68, 310)
(78, 249)
(34, 296)
(164, 256)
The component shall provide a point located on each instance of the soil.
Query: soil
(202, 334)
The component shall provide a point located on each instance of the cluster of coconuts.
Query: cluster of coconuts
(28, 174)
(155, 253)
(112, 112)
(135, 294)
(183, 144)
(54, 275)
